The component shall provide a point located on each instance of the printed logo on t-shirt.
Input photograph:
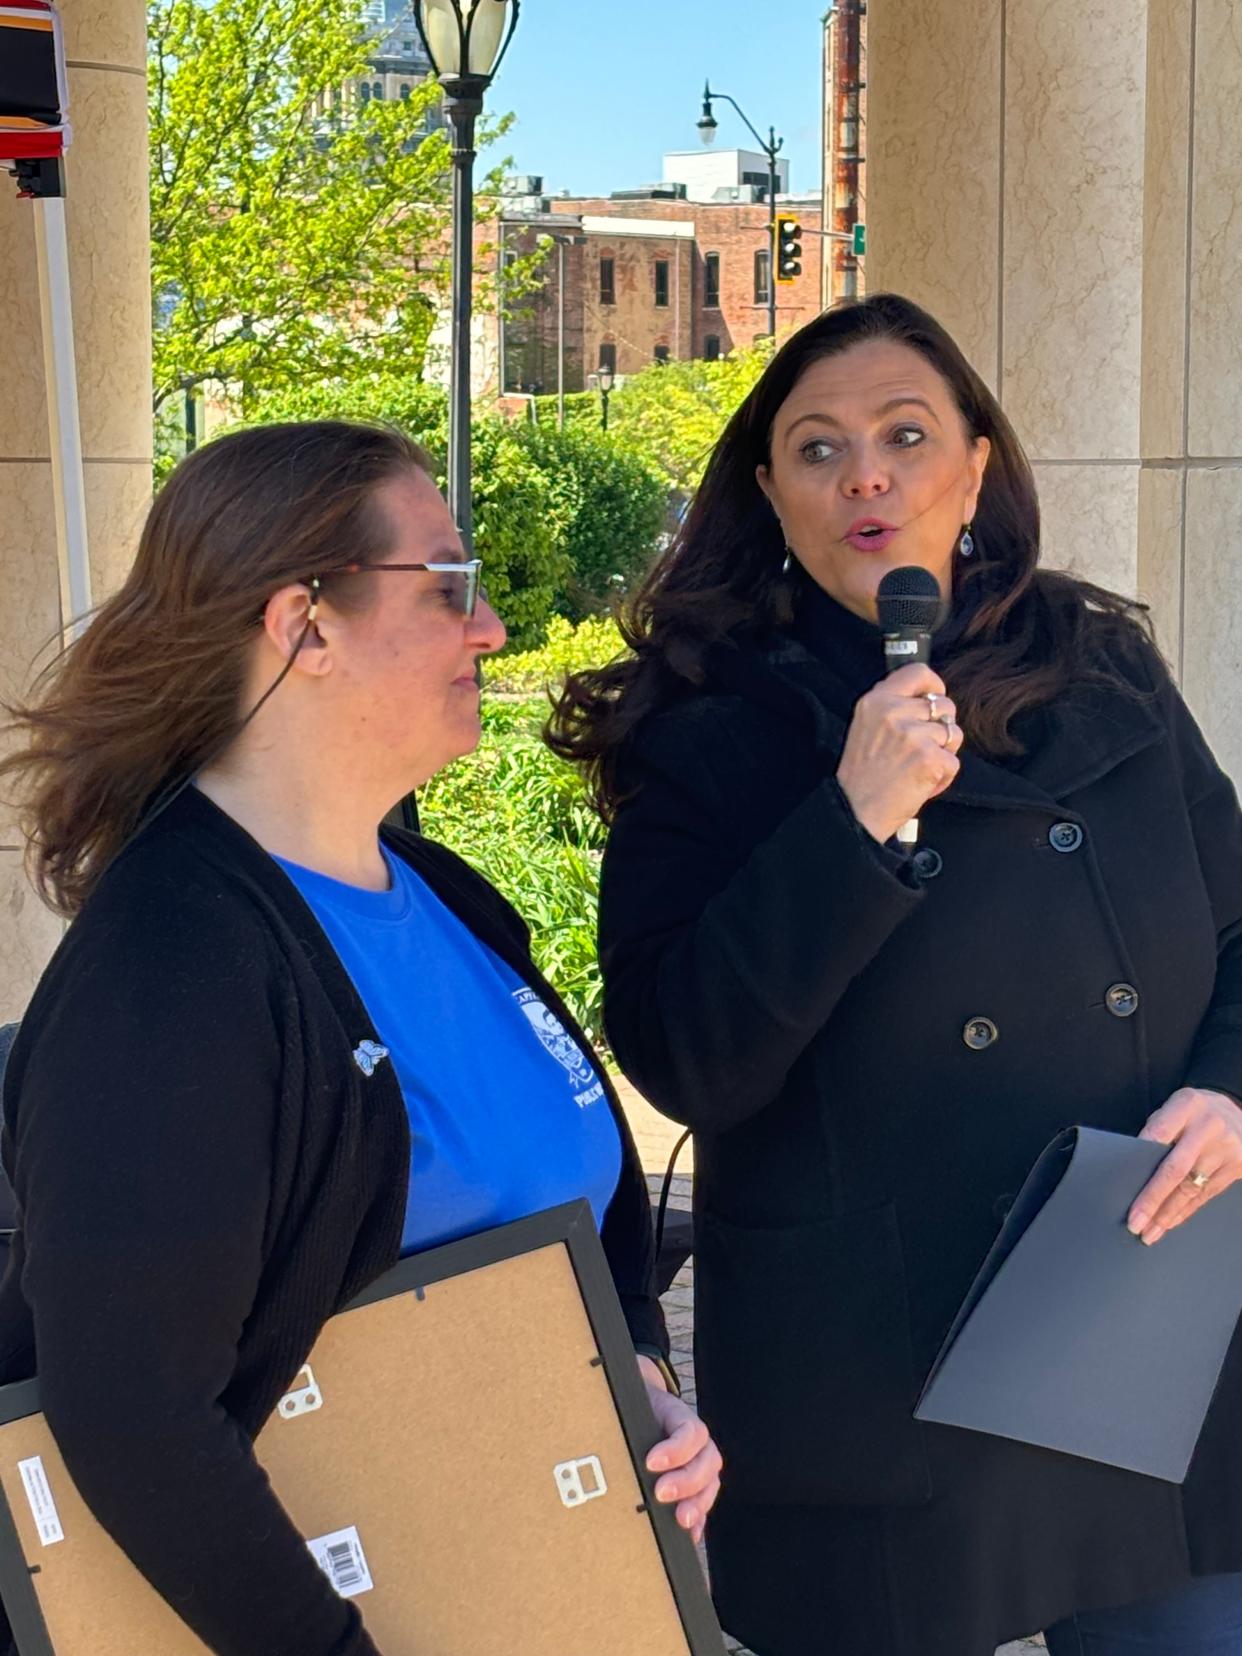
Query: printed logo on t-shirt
(562, 1046)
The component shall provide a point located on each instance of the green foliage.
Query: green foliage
(519, 815)
(672, 414)
(520, 514)
(613, 506)
(295, 235)
(566, 649)
(282, 220)
(582, 409)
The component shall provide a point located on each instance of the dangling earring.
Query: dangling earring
(966, 546)
(789, 559)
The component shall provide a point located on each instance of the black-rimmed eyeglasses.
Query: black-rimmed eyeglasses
(468, 571)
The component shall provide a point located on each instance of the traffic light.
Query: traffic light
(788, 250)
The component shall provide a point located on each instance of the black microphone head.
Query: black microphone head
(908, 598)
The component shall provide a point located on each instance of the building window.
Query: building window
(405, 91)
(711, 348)
(608, 357)
(763, 271)
(377, 91)
(661, 353)
(607, 281)
(365, 91)
(661, 282)
(711, 281)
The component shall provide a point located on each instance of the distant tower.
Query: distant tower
(397, 62)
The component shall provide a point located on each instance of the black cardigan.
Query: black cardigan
(204, 1176)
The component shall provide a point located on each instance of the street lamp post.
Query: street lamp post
(604, 381)
(771, 147)
(465, 40)
(562, 242)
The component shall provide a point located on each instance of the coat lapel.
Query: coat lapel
(1087, 733)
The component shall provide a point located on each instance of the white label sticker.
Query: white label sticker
(342, 1560)
(42, 1506)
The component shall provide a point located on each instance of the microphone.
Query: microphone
(908, 607)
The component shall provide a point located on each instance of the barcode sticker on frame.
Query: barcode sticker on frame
(342, 1560)
(42, 1504)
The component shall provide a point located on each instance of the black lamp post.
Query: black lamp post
(771, 148)
(604, 379)
(465, 40)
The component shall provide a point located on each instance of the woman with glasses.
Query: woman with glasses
(281, 1044)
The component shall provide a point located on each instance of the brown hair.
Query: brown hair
(151, 691)
(1022, 635)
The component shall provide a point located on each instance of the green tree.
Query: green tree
(614, 506)
(521, 518)
(672, 414)
(294, 236)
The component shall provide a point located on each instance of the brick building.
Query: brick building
(647, 276)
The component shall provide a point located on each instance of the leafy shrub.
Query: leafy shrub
(582, 411)
(519, 815)
(566, 649)
(613, 505)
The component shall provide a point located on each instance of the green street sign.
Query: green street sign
(860, 240)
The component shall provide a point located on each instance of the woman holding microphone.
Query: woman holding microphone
(872, 1042)
(280, 1044)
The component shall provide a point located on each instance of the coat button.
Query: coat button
(1122, 1000)
(927, 863)
(1065, 836)
(980, 1033)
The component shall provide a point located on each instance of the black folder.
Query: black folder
(1077, 1336)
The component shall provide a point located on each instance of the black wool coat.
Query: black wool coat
(872, 1049)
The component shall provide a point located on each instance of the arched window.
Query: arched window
(365, 91)
(405, 91)
(377, 91)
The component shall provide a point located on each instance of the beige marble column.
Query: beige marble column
(107, 224)
(1061, 184)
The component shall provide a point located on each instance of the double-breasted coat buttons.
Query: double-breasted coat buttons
(1122, 1000)
(1065, 837)
(980, 1033)
(927, 863)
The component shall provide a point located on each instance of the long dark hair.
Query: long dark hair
(151, 691)
(1024, 635)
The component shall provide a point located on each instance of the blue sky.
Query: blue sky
(601, 88)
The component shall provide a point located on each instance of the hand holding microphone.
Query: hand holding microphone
(903, 741)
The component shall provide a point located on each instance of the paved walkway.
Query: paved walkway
(655, 1137)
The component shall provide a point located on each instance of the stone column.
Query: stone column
(1060, 184)
(107, 222)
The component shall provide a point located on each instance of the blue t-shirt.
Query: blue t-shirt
(507, 1113)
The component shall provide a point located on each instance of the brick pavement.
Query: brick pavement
(655, 1137)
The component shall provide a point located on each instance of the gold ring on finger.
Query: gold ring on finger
(1199, 1180)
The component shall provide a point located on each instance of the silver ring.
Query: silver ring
(931, 699)
(1199, 1180)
